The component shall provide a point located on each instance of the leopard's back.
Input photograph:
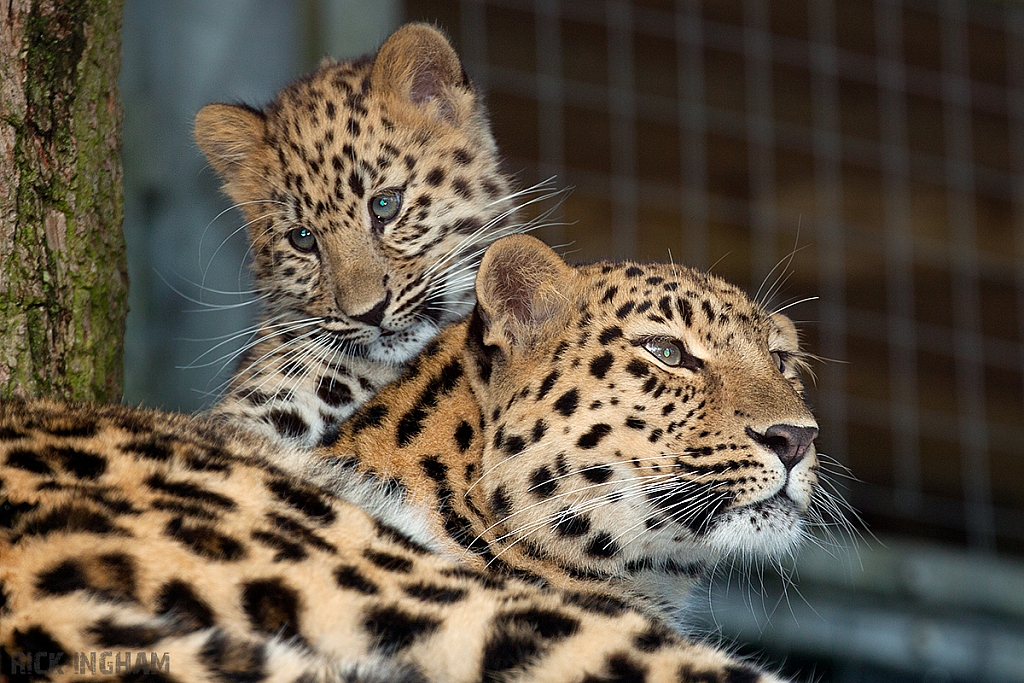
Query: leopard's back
(173, 550)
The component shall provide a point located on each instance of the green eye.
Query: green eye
(668, 352)
(671, 352)
(780, 360)
(302, 239)
(386, 205)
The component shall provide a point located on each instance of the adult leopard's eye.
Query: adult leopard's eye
(671, 352)
(386, 205)
(665, 350)
(302, 239)
(780, 360)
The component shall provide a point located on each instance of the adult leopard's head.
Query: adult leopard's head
(640, 418)
(370, 188)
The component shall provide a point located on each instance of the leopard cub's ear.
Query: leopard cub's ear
(522, 284)
(420, 66)
(231, 135)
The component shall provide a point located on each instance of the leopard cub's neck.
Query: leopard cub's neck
(299, 403)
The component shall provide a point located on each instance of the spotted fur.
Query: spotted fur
(174, 550)
(617, 425)
(370, 188)
(504, 512)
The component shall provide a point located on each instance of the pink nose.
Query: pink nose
(788, 442)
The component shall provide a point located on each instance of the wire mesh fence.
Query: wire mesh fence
(873, 148)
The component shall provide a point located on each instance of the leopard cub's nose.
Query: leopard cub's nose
(788, 442)
(375, 315)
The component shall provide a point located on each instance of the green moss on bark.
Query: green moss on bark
(63, 291)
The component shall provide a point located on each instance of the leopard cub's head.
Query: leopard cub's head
(369, 188)
(638, 416)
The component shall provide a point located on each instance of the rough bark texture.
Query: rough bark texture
(63, 275)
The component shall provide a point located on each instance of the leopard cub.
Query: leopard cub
(370, 189)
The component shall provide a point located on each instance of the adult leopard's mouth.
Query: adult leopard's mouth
(778, 500)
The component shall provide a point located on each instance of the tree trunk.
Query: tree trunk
(63, 274)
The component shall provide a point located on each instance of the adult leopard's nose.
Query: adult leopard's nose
(789, 442)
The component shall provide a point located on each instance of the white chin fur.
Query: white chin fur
(771, 529)
(401, 347)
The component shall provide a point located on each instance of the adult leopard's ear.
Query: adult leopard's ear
(231, 136)
(419, 65)
(784, 334)
(521, 285)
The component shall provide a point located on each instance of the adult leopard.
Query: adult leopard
(621, 425)
(590, 427)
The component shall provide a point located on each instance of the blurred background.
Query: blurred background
(874, 148)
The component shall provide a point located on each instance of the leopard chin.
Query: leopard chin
(769, 529)
(398, 348)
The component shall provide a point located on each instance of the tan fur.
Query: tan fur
(522, 292)
(232, 138)
(415, 53)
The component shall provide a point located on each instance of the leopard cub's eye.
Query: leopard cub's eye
(665, 350)
(385, 205)
(302, 239)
